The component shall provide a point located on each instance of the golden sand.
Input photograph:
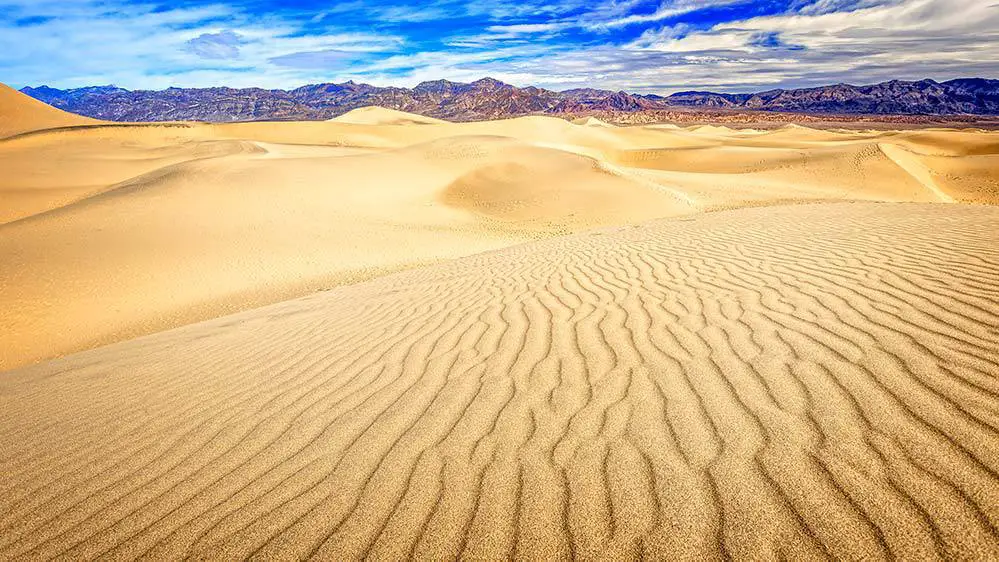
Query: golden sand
(607, 342)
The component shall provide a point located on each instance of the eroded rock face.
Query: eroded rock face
(489, 98)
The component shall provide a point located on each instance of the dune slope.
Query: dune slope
(784, 382)
(52, 169)
(20, 113)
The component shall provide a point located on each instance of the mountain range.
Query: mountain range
(489, 98)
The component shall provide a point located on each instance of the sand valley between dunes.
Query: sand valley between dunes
(389, 336)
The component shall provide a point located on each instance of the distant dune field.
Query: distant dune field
(390, 336)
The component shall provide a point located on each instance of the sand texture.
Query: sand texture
(388, 336)
(795, 382)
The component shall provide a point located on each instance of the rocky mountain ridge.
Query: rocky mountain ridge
(489, 98)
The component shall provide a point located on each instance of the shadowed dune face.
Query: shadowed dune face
(785, 382)
(108, 232)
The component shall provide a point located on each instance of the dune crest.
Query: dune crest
(591, 122)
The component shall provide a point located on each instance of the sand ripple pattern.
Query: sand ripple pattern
(815, 381)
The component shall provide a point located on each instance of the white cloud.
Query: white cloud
(221, 45)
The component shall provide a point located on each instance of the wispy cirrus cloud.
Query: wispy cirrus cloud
(666, 10)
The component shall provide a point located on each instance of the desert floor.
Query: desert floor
(390, 336)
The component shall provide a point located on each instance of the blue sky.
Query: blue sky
(636, 45)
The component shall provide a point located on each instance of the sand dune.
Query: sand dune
(207, 237)
(20, 113)
(546, 187)
(116, 231)
(51, 170)
(591, 122)
(383, 116)
(789, 382)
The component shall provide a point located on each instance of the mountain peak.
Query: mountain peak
(489, 82)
